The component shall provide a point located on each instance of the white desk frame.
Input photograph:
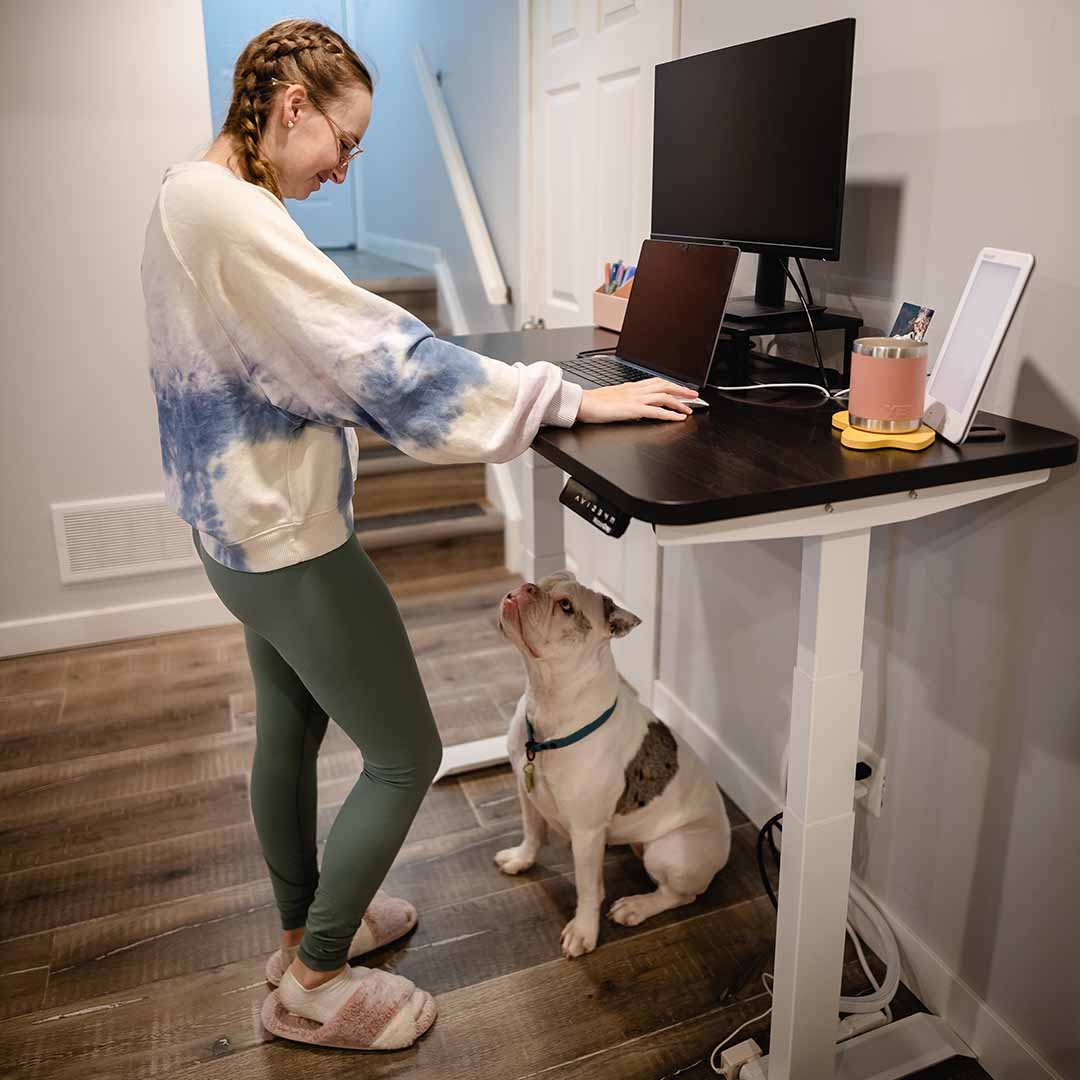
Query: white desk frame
(819, 816)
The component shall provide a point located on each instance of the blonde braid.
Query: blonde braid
(292, 51)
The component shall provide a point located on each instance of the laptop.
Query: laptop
(672, 321)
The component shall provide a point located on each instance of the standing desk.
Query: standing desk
(738, 472)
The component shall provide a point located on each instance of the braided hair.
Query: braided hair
(291, 51)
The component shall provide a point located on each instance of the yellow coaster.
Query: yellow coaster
(855, 439)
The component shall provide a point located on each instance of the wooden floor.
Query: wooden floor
(136, 915)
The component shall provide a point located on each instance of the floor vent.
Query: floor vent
(122, 537)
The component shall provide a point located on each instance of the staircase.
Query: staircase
(426, 527)
(407, 286)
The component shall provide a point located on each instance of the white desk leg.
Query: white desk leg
(819, 820)
(542, 536)
(542, 518)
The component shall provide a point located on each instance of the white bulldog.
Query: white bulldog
(628, 781)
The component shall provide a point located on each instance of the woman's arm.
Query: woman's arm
(322, 348)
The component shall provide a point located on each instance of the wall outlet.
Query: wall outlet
(875, 785)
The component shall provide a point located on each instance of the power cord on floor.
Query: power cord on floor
(867, 1003)
(761, 1016)
(882, 994)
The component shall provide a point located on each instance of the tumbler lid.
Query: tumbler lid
(889, 348)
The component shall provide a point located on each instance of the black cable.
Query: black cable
(802, 274)
(596, 352)
(813, 331)
(766, 830)
(772, 842)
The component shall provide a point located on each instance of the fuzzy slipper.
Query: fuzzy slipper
(386, 919)
(385, 1012)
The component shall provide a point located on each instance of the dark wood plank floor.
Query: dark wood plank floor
(136, 916)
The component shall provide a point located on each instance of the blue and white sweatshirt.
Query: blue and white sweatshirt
(264, 357)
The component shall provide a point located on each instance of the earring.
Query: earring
(290, 123)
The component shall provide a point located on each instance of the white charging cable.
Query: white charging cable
(890, 954)
(761, 1016)
(827, 394)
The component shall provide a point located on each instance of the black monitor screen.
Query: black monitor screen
(750, 143)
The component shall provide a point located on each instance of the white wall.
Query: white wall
(965, 131)
(97, 100)
(407, 193)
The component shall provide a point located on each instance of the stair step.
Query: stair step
(445, 590)
(369, 441)
(404, 491)
(410, 287)
(391, 460)
(428, 526)
(374, 272)
(460, 596)
(423, 303)
(435, 548)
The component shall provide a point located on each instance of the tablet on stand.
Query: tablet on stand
(982, 317)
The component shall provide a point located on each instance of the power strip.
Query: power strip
(747, 1063)
(734, 1059)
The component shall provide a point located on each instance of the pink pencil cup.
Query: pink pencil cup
(888, 384)
(610, 308)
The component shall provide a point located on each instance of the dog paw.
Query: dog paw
(513, 860)
(631, 910)
(579, 937)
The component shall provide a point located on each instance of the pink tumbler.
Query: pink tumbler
(888, 384)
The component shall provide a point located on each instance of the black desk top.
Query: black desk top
(737, 459)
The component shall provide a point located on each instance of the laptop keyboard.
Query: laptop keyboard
(604, 370)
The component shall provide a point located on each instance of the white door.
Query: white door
(591, 117)
(592, 110)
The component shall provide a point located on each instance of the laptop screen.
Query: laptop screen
(676, 307)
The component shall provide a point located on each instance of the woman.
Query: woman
(264, 359)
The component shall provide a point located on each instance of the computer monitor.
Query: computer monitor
(750, 148)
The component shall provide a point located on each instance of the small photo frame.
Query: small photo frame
(912, 321)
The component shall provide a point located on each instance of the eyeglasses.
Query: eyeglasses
(348, 149)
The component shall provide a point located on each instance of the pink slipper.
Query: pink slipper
(385, 1012)
(386, 919)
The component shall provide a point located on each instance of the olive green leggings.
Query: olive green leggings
(325, 638)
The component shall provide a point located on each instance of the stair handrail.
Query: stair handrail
(472, 216)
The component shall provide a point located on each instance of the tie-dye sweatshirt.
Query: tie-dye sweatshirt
(264, 357)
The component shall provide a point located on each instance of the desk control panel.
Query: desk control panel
(598, 513)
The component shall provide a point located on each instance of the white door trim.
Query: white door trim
(524, 298)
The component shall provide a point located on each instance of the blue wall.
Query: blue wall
(406, 191)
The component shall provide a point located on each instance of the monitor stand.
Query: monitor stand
(768, 301)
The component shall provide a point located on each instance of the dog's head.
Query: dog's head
(560, 618)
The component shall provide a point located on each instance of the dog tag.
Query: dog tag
(529, 777)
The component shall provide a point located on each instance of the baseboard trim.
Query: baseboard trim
(427, 257)
(75, 629)
(1002, 1051)
(742, 785)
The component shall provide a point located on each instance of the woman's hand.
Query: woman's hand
(652, 399)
